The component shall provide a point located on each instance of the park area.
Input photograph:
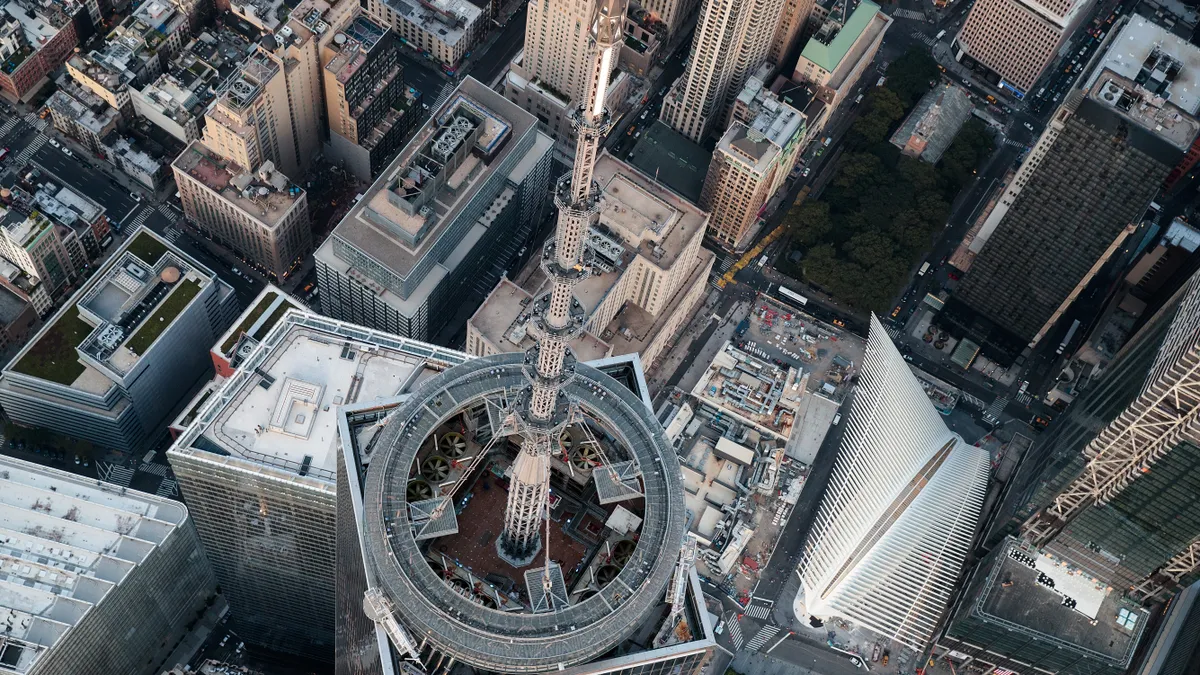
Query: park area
(859, 240)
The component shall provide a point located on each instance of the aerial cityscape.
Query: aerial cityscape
(599, 337)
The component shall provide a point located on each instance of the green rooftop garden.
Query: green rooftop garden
(53, 356)
(146, 247)
(166, 313)
(248, 321)
(272, 320)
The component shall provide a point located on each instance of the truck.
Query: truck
(940, 35)
(924, 269)
(762, 262)
(1062, 346)
(742, 327)
(793, 296)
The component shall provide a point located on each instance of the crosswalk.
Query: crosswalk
(142, 216)
(892, 331)
(758, 612)
(443, 96)
(760, 638)
(1024, 398)
(909, 14)
(168, 212)
(725, 264)
(8, 126)
(992, 414)
(117, 474)
(172, 234)
(1015, 144)
(36, 121)
(156, 469)
(929, 42)
(168, 488)
(27, 152)
(735, 632)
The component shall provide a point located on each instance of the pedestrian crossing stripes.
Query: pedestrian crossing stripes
(167, 211)
(760, 638)
(929, 42)
(117, 474)
(725, 264)
(156, 469)
(735, 632)
(8, 126)
(36, 121)
(34, 145)
(443, 96)
(1024, 399)
(168, 488)
(140, 218)
(1015, 144)
(758, 612)
(992, 414)
(172, 234)
(909, 14)
(892, 332)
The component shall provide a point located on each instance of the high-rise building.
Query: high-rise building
(31, 241)
(1109, 499)
(895, 527)
(80, 224)
(1015, 40)
(841, 50)
(1176, 646)
(788, 32)
(649, 272)
(672, 13)
(116, 360)
(549, 79)
(367, 102)
(35, 39)
(733, 39)
(257, 465)
(1093, 172)
(260, 214)
(441, 224)
(97, 578)
(750, 162)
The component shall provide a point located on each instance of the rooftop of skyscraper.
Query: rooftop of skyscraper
(278, 411)
(65, 543)
(110, 323)
(354, 43)
(1151, 78)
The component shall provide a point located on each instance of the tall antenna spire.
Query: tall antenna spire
(558, 316)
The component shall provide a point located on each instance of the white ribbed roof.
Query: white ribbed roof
(896, 522)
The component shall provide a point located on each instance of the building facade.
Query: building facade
(733, 40)
(260, 214)
(88, 565)
(34, 40)
(82, 115)
(1014, 40)
(1094, 170)
(894, 529)
(841, 50)
(115, 361)
(790, 30)
(444, 29)
(443, 222)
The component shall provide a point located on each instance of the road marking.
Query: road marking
(758, 612)
(34, 145)
(760, 638)
(992, 414)
(168, 488)
(735, 632)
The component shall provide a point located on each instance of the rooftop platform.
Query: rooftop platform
(65, 542)
(760, 393)
(672, 159)
(266, 194)
(446, 20)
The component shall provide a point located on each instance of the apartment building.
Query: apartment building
(30, 240)
(836, 56)
(81, 223)
(115, 361)
(35, 39)
(367, 102)
(750, 163)
(98, 578)
(108, 79)
(260, 214)
(1094, 170)
(443, 222)
(82, 115)
(733, 40)
(671, 13)
(790, 30)
(649, 274)
(170, 105)
(1014, 40)
(444, 29)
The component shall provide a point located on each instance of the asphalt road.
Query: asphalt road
(494, 59)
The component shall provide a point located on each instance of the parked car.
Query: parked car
(55, 144)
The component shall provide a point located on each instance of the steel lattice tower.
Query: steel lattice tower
(559, 317)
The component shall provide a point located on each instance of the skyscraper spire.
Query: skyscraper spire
(558, 316)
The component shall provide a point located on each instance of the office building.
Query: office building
(1093, 171)
(368, 105)
(841, 50)
(644, 36)
(750, 163)
(549, 78)
(1176, 646)
(933, 123)
(116, 360)
(1014, 41)
(733, 39)
(443, 222)
(97, 578)
(35, 39)
(648, 274)
(82, 115)
(790, 30)
(445, 30)
(258, 463)
(170, 105)
(1109, 500)
(31, 241)
(80, 224)
(260, 214)
(895, 527)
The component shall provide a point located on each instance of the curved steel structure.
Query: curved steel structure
(520, 642)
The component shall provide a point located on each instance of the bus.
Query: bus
(1062, 347)
(792, 295)
(924, 269)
